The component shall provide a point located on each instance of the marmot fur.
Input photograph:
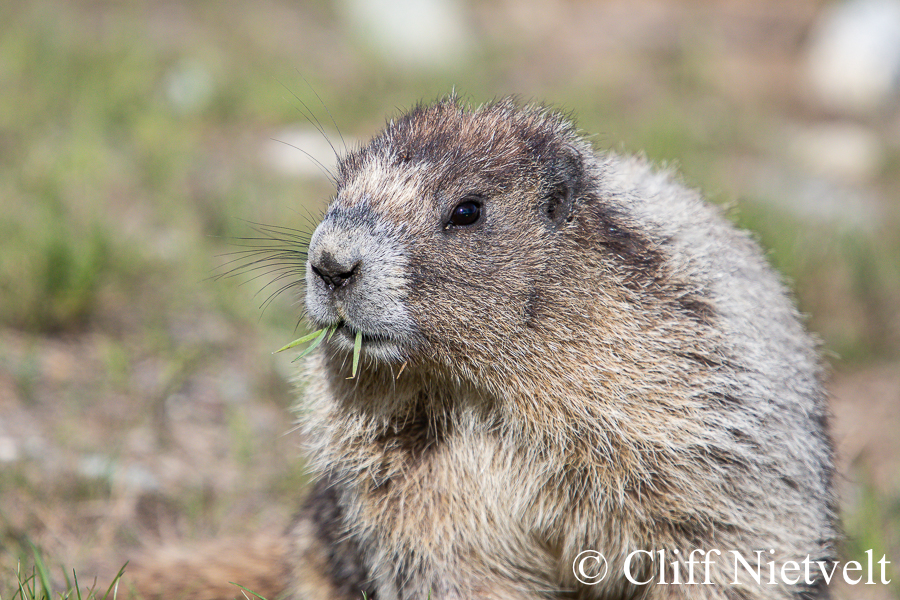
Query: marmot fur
(562, 351)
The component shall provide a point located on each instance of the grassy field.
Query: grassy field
(140, 403)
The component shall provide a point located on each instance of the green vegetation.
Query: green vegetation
(38, 585)
(317, 337)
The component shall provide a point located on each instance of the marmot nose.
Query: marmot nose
(333, 272)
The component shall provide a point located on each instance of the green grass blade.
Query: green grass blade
(302, 340)
(78, 589)
(68, 582)
(114, 586)
(311, 347)
(42, 572)
(23, 591)
(357, 350)
(246, 590)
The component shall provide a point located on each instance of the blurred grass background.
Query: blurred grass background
(139, 402)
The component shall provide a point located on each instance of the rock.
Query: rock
(854, 55)
(189, 87)
(839, 151)
(846, 207)
(9, 450)
(413, 34)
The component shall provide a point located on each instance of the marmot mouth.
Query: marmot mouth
(349, 333)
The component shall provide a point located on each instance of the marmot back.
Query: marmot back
(561, 352)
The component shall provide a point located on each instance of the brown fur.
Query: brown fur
(599, 362)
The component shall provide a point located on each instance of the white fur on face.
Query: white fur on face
(374, 301)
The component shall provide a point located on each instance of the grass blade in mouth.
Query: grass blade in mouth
(303, 340)
(357, 350)
(315, 336)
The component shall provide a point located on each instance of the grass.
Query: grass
(247, 591)
(52, 281)
(873, 526)
(316, 337)
(38, 585)
(847, 282)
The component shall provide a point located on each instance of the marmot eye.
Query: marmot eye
(465, 213)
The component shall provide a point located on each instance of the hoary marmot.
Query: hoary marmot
(562, 352)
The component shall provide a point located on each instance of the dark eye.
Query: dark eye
(465, 213)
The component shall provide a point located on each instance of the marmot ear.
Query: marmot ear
(565, 182)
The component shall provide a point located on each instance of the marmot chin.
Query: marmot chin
(562, 351)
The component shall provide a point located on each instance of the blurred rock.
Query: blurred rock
(97, 466)
(139, 477)
(189, 87)
(9, 450)
(104, 468)
(854, 55)
(839, 151)
(844, 206)
(413, 34)
(34, 446)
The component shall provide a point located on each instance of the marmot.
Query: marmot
(562, 351)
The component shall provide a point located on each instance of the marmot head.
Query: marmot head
(456, 232)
